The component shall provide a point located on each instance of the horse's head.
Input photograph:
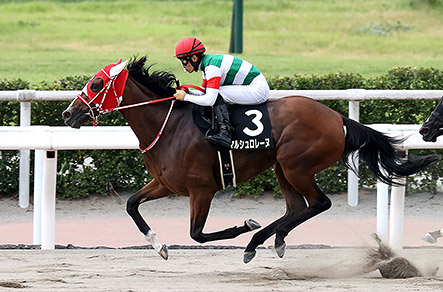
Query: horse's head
(433, 127)
(102, 94)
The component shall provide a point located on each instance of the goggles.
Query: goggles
(185, 61)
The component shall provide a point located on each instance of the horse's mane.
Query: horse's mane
(159, 82)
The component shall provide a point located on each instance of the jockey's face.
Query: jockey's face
(188, 66)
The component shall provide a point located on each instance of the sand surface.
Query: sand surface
(336, 269)
(102, 221)
(343, 231)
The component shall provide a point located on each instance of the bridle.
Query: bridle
(96, 104)
(98, 107)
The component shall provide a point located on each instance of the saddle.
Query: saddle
(251, 131)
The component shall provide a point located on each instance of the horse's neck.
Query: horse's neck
(147, 120)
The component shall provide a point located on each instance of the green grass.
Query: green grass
(46, 40)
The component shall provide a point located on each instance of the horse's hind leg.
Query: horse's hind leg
(294, 203)
(153, 190)
(200, 204)
(318, 202)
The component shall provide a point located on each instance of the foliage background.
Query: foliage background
(81, 173)
(303, 44)
(51, 39)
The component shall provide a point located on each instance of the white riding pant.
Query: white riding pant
(254, 93)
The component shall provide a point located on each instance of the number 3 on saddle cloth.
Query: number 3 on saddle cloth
(252, 131)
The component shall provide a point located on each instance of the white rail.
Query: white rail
(66, 138)
(37, 95)
(46, 140)
(361, 94)
(354, 96)
(347, 94)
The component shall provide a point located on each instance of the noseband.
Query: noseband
(101, 107)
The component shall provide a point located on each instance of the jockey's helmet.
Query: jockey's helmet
(188, 47)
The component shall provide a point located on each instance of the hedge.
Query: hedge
(81, 173)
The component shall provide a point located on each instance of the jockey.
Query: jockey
(225, 78)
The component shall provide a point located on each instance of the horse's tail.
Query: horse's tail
(378, 151)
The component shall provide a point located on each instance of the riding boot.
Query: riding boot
(224, 136)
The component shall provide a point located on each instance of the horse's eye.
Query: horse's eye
(94, 87)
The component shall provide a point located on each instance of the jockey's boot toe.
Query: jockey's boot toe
(221, 139)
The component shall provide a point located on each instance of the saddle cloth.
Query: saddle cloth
(252, 127)
(252, 131)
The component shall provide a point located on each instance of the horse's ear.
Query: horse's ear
(117, 68)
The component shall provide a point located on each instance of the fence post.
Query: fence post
(38, 193)
(382, 198)
(382, 211)
(397, 210)
(48, 200)
(354, 114)
(396, 216)
(23, 96)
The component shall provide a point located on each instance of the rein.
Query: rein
(186, 87)
(117, 108)
(161, 129)
(183, 87)
(139, 104)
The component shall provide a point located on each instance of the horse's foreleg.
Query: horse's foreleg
(200, 205)
(153, 190)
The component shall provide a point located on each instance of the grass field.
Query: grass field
(46, 40)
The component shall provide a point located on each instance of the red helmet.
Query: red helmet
(188, 47)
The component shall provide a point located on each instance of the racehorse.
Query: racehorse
(308, 137)
(433, 127)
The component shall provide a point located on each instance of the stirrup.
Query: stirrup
(220, 139)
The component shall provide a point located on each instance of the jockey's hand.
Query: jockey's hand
(180, 95)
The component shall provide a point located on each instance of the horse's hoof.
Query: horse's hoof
(248, 256)
(280, 250)
(163, 252)
(252, 224)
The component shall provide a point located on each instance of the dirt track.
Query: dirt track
(333, 269)
(103, 221)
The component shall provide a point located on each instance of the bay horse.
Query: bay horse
(433, 126)
(309, 137)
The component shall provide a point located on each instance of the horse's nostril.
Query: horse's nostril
(66, 115)
(424, 130)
